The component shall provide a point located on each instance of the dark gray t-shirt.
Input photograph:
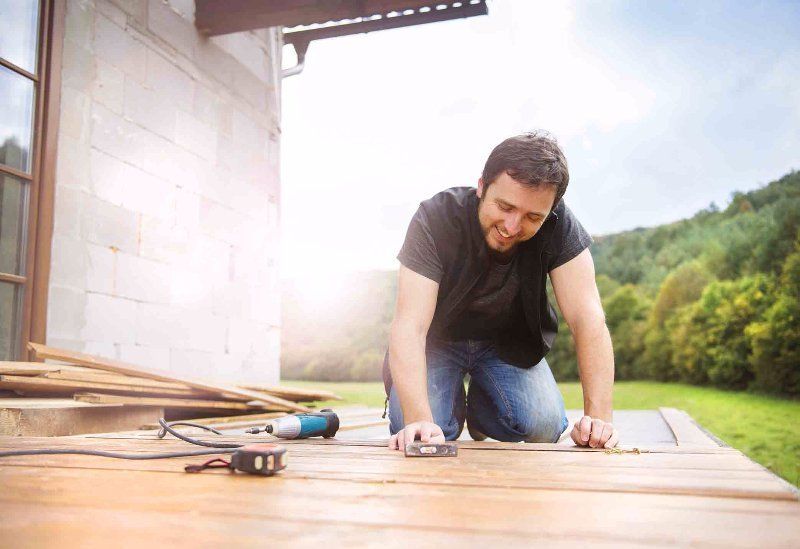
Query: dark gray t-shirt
(494, 303)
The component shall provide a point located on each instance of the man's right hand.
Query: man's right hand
(425, 431)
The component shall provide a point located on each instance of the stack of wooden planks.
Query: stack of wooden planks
(101, 381)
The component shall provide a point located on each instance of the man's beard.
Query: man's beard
(496, 255)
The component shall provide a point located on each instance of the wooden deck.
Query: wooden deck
(683, 488)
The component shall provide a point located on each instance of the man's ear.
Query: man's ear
(480, 187)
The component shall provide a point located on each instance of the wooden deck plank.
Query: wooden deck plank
(474, 468)
(37, 385)
(59, 417)
(118, 379)
(133, 528)
(170, 402)
(685, 429)
(553, 465)
(295, 394)
(477, 451)
(491, 494)
(528, 514)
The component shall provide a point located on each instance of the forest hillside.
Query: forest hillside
(710, 300)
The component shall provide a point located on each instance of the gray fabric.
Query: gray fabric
(419, 249)
(569, 240)
(419, 254)
(494, 303)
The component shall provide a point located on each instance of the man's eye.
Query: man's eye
(504, 207)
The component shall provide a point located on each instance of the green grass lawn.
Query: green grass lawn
(762, 427)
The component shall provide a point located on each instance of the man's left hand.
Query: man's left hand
(594, 433)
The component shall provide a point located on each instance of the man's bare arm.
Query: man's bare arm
(416, 303)
(579, 301)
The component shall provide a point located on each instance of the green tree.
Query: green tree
(626, 314)
(775, 340)
(708, 337)
(681, 287)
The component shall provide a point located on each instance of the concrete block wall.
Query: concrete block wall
(167, 192)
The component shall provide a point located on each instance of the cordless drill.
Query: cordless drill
(324, 423)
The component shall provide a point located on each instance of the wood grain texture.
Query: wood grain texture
(62, 419)
(118, 379)
(693, 474)
(82, 359)
(685, 429)
(166, 402)
(293, 393)
(27, 368)
(32, 385)
(517, 515)
(492, 494)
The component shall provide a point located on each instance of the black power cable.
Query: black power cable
(256, 459)
(52, 451)
(167, 428)
(221, 448)
(162, 432)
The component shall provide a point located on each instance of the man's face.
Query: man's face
(510, 212)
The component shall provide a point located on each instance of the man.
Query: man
(472, 300)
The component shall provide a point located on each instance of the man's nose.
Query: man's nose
(513, 224)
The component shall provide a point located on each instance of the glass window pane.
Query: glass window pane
(13, 220)
(10, 321)
(19, 32)
(16, 119)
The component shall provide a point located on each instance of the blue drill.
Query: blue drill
(324, 423)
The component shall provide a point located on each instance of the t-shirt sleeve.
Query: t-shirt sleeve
(419, 249)
(570, 239)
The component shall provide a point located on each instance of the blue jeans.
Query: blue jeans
(503, 402)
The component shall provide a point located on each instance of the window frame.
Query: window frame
(41, 180)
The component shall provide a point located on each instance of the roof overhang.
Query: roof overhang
(332, 17)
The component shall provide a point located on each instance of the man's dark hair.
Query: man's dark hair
(533, 159)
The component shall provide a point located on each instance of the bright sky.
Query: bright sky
(661, 109)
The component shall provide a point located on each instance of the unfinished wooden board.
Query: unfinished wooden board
(293, 393)
(33, 385)
(698, 475)
(162, 529)
(685, 429)
(97, 398)
(27, 368)
(491, 494)
(477, 457)
(58, 417)
(522, 514)
(118, 379)
(82, 359)
(489, 446)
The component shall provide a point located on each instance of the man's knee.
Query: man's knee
(451, 425)
(533, 426)
(545, 427)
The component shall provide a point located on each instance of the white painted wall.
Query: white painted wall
(167, 192)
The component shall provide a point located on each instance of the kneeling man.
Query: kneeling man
(472, 300)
